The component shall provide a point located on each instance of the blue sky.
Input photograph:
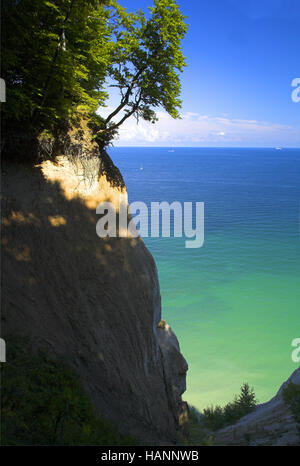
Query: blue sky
(242, 56)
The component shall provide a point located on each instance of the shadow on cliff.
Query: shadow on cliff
(93, 302)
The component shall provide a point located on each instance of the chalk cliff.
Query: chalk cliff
(93, 302)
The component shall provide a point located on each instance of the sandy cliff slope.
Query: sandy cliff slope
(94, 302)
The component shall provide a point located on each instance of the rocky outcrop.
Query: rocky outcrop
(93, 302)
(175, 366)
(271, 423)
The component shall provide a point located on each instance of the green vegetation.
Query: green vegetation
(215, 418)
(59, 69)
(43, 403)
(195, 433)
(291, 396)
(60, 58)
(202, 425)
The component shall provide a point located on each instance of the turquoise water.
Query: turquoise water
(234, 303)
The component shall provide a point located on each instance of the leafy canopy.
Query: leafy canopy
(55, 56)
(59, 57)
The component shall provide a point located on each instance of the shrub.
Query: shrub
(216, 418)
(195, 433)
(43, 403)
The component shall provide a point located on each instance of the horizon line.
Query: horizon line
(206, 147)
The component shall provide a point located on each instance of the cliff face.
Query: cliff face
(271, 424)
(93, 302)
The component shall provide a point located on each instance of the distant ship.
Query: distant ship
(278, 148)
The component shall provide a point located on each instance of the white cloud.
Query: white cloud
(193, 129)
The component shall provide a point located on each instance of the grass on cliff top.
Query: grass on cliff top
(43, 403)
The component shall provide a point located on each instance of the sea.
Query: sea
(234, 303)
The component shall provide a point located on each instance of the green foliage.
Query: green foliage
(214, 417)
(194, 415)
(291, 396)
(247, 400)
(201, 425)
(58, 56)
(43, 403)
(146, 62)
(51, 58)
(195, 433)
(217, 417)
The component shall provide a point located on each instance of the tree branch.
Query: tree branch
(126, 96)
(128, 114)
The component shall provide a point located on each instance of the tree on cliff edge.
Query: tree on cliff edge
(146, 62)
(61, 57)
